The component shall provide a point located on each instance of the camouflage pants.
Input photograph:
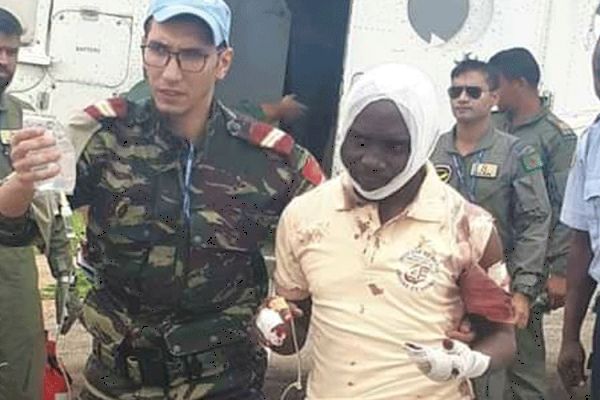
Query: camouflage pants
(103, 383)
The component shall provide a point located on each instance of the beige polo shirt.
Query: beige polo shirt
(375, 287)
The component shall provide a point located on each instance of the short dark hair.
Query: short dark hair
(206, 30)
(517, 63)
(469, 64)
(9, 24)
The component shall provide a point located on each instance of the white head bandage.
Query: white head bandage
(414, 95)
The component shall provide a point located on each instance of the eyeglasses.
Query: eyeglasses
(473, 92)
(188, 60)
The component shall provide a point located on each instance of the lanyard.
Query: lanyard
(187, 212)
(461, 175)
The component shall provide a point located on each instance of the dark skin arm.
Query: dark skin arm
(497, 340)
(580, 288)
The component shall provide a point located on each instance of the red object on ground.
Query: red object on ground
(55, 384)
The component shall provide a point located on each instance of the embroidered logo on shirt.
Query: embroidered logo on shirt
(444, 172)
(418, 269)
(484, 170)
(532, 162)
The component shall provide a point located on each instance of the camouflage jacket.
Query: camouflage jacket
(174, 227)
(555, 141)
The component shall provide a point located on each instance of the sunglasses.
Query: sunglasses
(473, 92)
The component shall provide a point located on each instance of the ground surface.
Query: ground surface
(282, 371)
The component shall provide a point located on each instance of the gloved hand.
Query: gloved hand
(67, 303)
(452, 360)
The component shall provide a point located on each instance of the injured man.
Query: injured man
(385, 262)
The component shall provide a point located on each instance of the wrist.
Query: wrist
(16, 183)
(571, 335)
(525, 292)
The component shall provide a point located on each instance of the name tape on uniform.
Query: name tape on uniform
(484, 170)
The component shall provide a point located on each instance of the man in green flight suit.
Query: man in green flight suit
(504, 176)
(525, 116)
(181, 192)
(21, 326)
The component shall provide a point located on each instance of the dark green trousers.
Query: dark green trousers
(526, 377)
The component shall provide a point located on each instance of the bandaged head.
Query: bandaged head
(414, 95)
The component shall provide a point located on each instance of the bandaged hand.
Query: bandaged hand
(273, 320)
(452, 360)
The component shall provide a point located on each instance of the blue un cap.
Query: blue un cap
(215, 13)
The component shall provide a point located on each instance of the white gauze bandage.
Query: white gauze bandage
(414, 95)
(441, 364)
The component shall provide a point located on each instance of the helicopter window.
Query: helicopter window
(457, 21)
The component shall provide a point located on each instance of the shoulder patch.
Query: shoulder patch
(532, 161)
(311, 171)
(266, 136)
(444, 171)
(108, 109)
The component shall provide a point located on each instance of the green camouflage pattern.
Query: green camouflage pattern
(515, 195)
(555, 141)
(175, 292)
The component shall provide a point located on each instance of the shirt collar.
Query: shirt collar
(485, 143)
(428, 206)
(534, 118)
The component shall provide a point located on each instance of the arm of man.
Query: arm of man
(290, 281)
(532, 218)
(580, 285)
(30, 149)
(559, 156)
(494, 338)
(580, 288)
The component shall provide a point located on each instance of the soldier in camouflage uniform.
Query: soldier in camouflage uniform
(504, 176)
(21, 326)
(181, 193)
(526, 117)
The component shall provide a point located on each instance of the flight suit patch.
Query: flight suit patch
(484, 170)
(532, 162)
(444, 172)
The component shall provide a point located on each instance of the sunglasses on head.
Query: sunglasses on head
(473, 92)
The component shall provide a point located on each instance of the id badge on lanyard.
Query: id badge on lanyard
(461, 175)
